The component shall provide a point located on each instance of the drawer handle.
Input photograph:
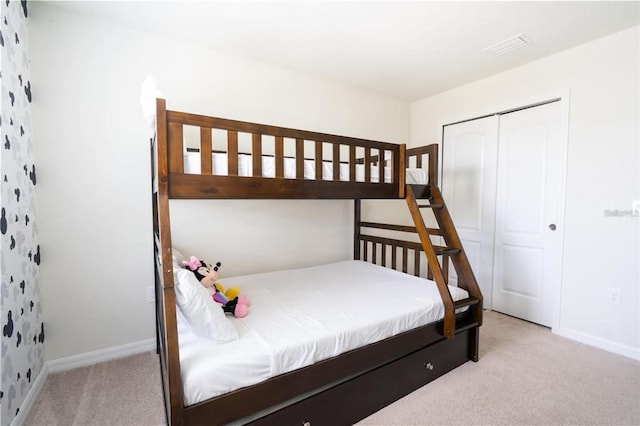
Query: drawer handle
(428, 366)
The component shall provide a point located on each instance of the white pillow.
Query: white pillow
(205, 316)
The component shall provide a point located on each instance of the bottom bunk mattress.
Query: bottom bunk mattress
(301, 316)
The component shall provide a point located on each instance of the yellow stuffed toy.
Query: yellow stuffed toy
(230, 293)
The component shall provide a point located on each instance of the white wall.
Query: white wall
(602, 173)
(92, 151)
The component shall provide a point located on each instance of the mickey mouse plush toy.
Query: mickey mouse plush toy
(207, 274)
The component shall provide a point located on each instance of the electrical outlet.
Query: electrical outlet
(151, 294)
(615, 296)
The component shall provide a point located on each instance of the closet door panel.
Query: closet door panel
(527, 201)
(524, 276)
(523, 176)
(473, 251)
(467, 197)
(469, 166)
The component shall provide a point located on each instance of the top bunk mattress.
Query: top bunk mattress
(302, 316)
(416, 176)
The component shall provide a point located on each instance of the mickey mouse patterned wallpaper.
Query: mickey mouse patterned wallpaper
(22, 344)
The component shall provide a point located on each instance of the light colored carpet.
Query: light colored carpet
(525, 376)
(123, 392)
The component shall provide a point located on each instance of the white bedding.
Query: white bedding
(245, 168)
(301, 316)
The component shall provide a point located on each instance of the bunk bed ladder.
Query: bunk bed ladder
(438, 256)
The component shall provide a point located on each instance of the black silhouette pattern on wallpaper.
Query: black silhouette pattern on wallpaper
(22, 340)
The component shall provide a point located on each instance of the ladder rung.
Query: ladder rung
(447, 250)
(465, 302)
(430, 206)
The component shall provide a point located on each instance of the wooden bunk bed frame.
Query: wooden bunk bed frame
(380, 373)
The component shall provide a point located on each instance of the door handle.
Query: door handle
(552, 226)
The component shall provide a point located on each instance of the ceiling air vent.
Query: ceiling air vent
(509, 45)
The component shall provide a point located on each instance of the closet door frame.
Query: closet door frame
(494, 108)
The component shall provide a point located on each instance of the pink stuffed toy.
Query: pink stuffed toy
(207, 274)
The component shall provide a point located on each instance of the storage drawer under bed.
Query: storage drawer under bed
(353, 400)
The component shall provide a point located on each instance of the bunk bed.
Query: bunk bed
(259, 161)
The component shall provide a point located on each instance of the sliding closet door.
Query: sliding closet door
(527, 205)
(469, 167)
(501, 180)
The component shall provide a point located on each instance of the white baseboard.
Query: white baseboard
(607, 345)
(31, 397)
(95, 357)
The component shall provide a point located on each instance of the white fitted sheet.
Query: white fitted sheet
(245, 168)
(301, 316)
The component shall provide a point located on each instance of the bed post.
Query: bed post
(356, 229)
(433, 164)
(474, 344)
(402, 165)
(165, 296)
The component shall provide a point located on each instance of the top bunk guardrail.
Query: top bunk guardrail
(250, 160)
(420, 156)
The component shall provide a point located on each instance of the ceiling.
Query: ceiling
(406, 50)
